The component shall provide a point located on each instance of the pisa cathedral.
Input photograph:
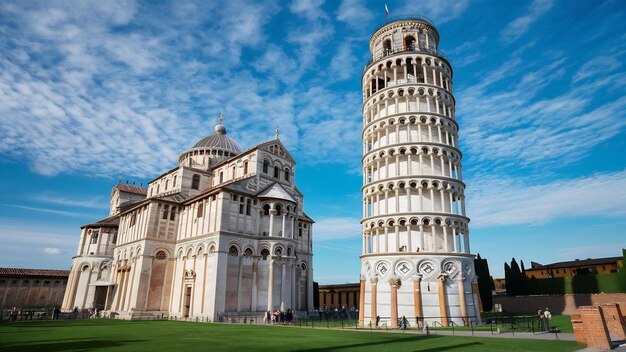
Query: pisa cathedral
(416, 259)
(222, 232)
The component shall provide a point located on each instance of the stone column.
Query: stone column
(374, 282)
(362, 302)
(417, 299)
(283, 227)
(272, 212)
(462, 301)
(270, 287)
(443, 311)
(394, 282)
(255, 269)
(283, 278)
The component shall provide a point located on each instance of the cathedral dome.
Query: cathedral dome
(210, 150)
(218, 141)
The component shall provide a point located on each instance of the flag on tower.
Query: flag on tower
(386, 11)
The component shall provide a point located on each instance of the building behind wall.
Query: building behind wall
(222, 232)
(575, 267)
(416, 259)
(31, 288)
(339, 296)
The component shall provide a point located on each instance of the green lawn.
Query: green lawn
(115, 335)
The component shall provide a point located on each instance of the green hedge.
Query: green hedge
(607, 283)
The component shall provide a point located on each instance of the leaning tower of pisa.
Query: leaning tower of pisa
(416, 259)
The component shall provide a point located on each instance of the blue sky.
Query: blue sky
(91, 92)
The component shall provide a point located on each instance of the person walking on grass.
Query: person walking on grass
(404, 322)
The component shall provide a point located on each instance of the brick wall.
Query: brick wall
(614, 321)
(594, 327)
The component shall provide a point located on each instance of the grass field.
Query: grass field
(115, 335)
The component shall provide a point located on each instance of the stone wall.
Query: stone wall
(558, 304)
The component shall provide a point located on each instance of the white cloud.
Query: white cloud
(51, 251)
(509, 119)
(50, 211)
(598, 66)
(439, 11)
(311, 9)
(328, 229)
(342, 66)
(354, 13)
(520, 25)
(495, 200)
(62, 199)
(592, 251)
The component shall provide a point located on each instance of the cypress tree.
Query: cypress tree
(507, 279)
(516, 278)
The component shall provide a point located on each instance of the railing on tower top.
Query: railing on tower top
(402, 18)
(398, 49)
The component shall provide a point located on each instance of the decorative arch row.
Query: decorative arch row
(414, 183)
(236, 249)
(406, 99)
(383, 123)
(429, 233)
(421, 269)
(409, 131)
(430, 197)
(275, 167)
(404, 69)
(411, 162)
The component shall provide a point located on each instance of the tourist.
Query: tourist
(377, 319)
(267, 319)
(546, 319)
(404, 322)
(540, 316)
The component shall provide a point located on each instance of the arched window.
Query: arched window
(233, 251)
(265, 253)
(160, 255)
(234, 172)
(276, 171)
(286, 174)
(278, 251)
(94, 236)
(409, 43)
(387, 47)
(248, 206)
(200, 210)
(278, 209)
(221, 176)
(174, 182)
(158, 188)
(195, 182)
(167, 184)
(245, 167)
(173, 213)
(266, 209)
(265, 167)
(165, 210)
(247, 253)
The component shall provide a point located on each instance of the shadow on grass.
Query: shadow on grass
(87, 345)
(415, 339)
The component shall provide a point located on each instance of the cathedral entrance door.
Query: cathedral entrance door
(99, 297)
(187, 301)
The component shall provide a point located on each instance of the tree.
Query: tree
(485, 283)
(516, 279)
(507, 279)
